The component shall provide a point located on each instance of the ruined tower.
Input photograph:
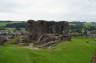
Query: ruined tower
(47, 33)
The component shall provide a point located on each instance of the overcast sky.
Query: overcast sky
(69, 10)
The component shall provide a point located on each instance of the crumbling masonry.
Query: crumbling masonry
(47, 33)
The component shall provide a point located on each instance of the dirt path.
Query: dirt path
(94, 58)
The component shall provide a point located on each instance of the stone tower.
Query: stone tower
(47, 33)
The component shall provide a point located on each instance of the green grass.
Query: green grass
(75, 51)
(3, 23)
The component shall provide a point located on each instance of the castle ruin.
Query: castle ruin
(47, 33)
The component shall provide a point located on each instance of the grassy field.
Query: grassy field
(3, 23)
(79, 50)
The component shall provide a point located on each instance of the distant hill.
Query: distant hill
(12, 24)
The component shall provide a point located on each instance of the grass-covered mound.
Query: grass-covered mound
(79, 50)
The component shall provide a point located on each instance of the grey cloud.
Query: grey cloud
(50, 9)
(7, 6)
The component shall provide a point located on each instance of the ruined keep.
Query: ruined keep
(47, 33)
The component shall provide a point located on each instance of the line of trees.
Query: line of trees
(82, 27)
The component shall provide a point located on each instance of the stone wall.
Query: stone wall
(44, 32)
(91, 33)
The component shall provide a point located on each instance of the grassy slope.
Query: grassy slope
(75, 51)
